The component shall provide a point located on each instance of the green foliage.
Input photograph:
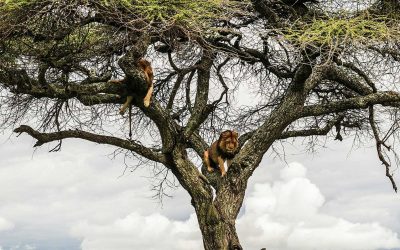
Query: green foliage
(337, 31)
(14, 4)
(189, 13)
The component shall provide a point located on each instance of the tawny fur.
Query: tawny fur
(145, 66)
(224, 149)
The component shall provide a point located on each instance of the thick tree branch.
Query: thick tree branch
(189, 176)
(198, 144)
(351, 82)
(385, 98)
(358, 71)
(314, 131)
(244, 138)
(201, 109)
(43, 138)
(88, 94)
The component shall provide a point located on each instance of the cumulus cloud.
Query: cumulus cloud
(282, 215)
(285, 215)
(140, 232)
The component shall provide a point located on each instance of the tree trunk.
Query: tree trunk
(217, 217)
(218, 231)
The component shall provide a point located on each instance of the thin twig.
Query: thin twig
(379, 144)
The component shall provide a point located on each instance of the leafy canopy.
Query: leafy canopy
(193, 14)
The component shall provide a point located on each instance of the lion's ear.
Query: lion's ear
(235, 134)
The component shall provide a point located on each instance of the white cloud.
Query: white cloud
(135, 231)
(22, 247)
(285, 215)
(342, 234)
(292, 171)
(5, 225)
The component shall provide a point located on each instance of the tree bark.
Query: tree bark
(217, 220)
(218, 233)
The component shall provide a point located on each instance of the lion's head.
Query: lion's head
(228, 142)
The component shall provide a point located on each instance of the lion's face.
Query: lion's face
(229, 141)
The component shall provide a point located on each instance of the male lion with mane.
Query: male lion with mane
(223, 149)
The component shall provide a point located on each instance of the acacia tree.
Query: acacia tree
(319, 69)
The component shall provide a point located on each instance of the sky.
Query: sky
(80, 198)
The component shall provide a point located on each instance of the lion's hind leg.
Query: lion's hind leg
(126, 104)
